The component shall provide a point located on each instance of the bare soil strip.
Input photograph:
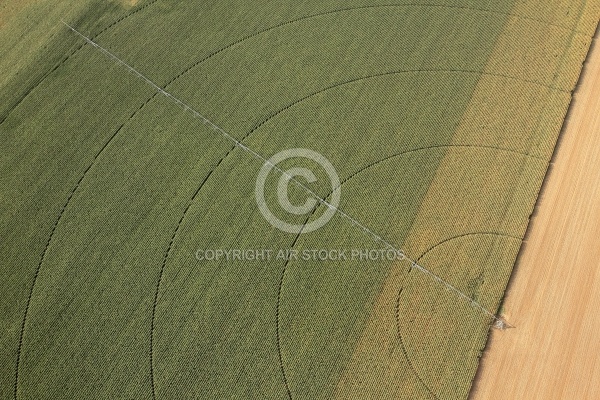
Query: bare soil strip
(554, 297)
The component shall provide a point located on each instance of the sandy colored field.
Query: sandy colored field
(512, 125)
(439, 118)
(554, 297)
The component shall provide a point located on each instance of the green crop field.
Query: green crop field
(132, 134)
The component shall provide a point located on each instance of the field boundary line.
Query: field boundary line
(398, 296)
(536, 224)
(243, 147)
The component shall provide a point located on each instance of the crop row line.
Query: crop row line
(291, 178)
(358, 8)
(71, 194)
(237, 143)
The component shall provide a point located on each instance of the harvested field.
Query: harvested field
(554, 351)
(133, 136)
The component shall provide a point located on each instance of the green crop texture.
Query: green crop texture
(440, 118)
